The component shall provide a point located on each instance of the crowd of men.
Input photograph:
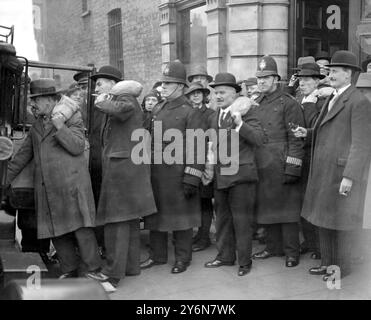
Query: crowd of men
(302, 164)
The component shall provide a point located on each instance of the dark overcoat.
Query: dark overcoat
(63, 193)
(175, 211)
(126, 192)
(280, 156)
(341, 149)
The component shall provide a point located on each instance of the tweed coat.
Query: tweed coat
(126, 192)
(175, 211)
(280, 156)
(341, 148)
(63, 193)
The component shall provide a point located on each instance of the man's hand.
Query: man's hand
(58, 121)
(345, 186)
(189, 190)
(300, 132)
(293, 80)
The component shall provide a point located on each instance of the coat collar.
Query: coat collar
(39, 128)
(338, 106)
(271, 96)
(178, 102)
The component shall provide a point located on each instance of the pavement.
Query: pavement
(269, 280)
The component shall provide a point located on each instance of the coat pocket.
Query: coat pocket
(119, 154)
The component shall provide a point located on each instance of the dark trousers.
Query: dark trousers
(336, 248)
(182, 245)
(203, 234)
(234, 220)
(122, 243)
(68, 256)
(283, 238)
(311, 236)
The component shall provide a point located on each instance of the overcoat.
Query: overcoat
(63, 193)
(279, 157)
(126, 192)
(341, 148)
(175, 211)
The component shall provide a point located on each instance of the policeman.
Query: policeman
(280, 165)
(175, 185)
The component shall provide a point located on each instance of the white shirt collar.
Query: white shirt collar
(340, 91)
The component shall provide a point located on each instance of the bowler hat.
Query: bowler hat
(197, 86)
(365, 63)
(174, 72)
(364, 80)
(310, 70)
(267, 66)
(251, 81)
(344, 58)
(43, 87)
(304, 60)
(108, 72)
(225, 79)
(323, 55)
(199, 70)
(81, 77)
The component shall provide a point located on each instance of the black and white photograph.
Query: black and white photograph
(202, 151)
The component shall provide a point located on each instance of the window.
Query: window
(115, 39)
(192, 36)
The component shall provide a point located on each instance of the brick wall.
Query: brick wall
(72, 39)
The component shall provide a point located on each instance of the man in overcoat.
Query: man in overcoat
(126, 193)
(235, 193)
(63, 193)
(280, 162)
(341, 153)
(175, 185)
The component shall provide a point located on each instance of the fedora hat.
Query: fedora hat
(108, 72)
(310, 70)
(344, 58)
(199, 70)
(364, 80)
(365, 63)
(197, 86)
(81, 77)
(43, 87)
(174, 72)
(303, 60)
(225, 79)
(267, 66)
(251, 81)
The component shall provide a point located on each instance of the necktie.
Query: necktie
(332, 101)
(222, 117)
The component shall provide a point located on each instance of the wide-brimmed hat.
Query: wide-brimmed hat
(199, 70)
(310, 70)
(323, 55)
(43, 87)
(344, 58)
(364, 80)
(365, 63)
(108, 72)
(267, 66)
(197, 86)
(81, 77)
(251, 81)
(174, 72)
(303, 60)
(226, 79)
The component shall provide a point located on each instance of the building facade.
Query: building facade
(225, 35)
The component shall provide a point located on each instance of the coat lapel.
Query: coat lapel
(338, 106)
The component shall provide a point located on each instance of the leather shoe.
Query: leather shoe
(71, 274)
(200, 246)
(265, 255)
(315, 256)
(244, 270)
(292, 262)
(217, 263)
(318, 271)
(149, 263)
(179, 267)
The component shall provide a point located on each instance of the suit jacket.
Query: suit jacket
(341, 148)
(243, 163)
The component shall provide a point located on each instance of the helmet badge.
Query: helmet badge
(262, 65)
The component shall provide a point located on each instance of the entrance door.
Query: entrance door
(321, 26)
